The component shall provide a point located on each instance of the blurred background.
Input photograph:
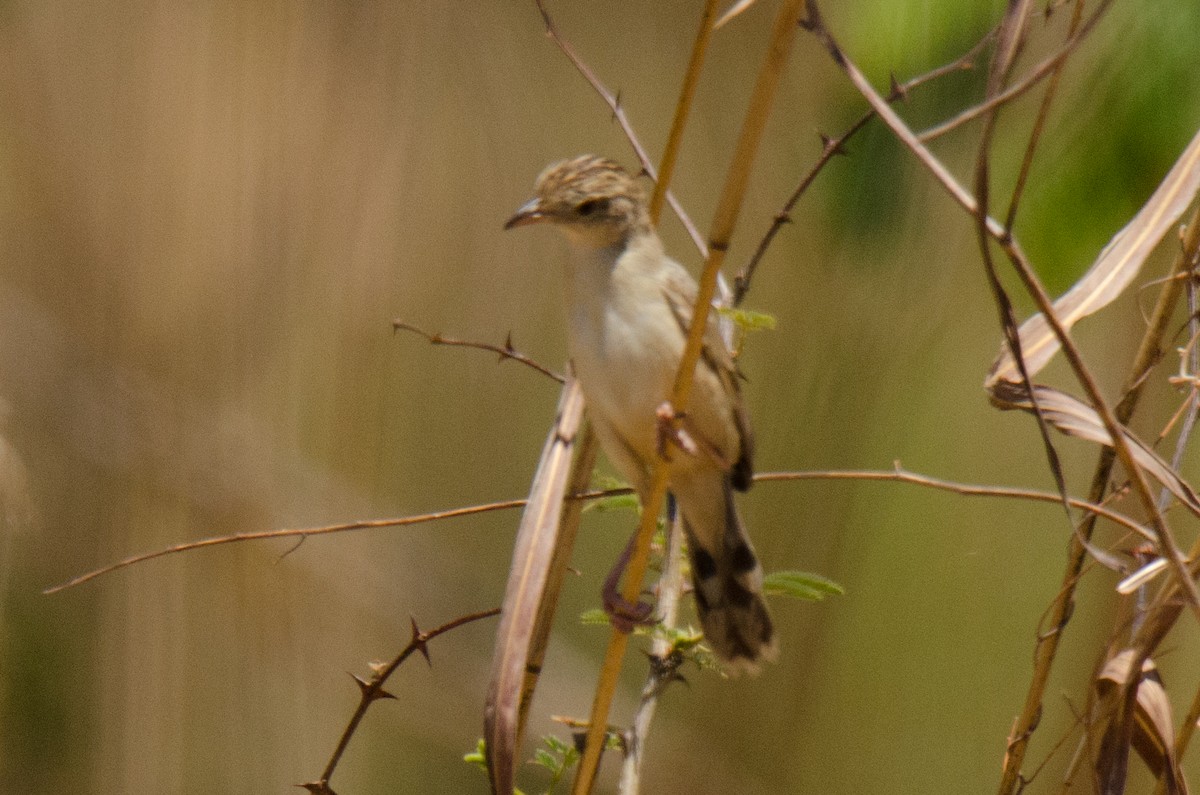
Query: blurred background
(212, 212)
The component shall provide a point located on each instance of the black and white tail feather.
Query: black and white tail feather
(728, 592)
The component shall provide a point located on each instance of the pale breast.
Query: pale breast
(625, 342)
(625, 356)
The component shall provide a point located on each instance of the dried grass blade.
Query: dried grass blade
(1113, 270)
(1153, 732)
(733, 11)
(1075, 418)
(540, 556)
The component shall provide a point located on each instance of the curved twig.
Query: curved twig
(287, 533)
(898, 474)
(505, 352)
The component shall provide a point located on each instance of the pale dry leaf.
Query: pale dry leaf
(1008, 42)
(1154, 729)
(733, 11)
(1075, 418)
(540, 556)
(1113, 270)
(1142, 576)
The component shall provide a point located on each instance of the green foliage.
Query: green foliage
(558, 757)
(800, 585)
(682, 639)
(477, 757)
(906, 37)
(748, 320)
(594, 617)
(1103, 159)
(617, 502)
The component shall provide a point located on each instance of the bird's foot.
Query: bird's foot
(671, 431)
(624, 614)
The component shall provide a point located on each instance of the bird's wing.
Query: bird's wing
(680, 293)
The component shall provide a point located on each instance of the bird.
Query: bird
(629, 308)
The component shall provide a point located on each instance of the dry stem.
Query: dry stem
(728, 206)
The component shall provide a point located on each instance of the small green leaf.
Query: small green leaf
(617, 502)
(800, 585)
(557, 745)
(476, 757)
(597, 617)
(546, 759)
(594, 617)
(609, 483)
(683, 639)
(748, 319)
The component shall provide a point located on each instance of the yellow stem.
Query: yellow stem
(686, 95)
(782, 37)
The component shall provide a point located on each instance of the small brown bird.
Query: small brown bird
(629, 307)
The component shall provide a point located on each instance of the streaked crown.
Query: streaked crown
(587, 191)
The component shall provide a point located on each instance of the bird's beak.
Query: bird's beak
(530, 213)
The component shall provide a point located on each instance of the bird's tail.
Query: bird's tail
(728, 585)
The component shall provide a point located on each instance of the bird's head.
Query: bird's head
(593, 200)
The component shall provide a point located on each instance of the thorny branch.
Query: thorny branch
(1035, 76)
(831, 147)
(506, 351)
(664, 660)
(1034, 286)
(287, 533)
(900, 475)
(371, 690)
(1181, 589)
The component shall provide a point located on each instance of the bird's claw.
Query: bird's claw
(670, 429)
(624, 614)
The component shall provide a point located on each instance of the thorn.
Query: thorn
(832, 146)
(418, 640)
(371, 690)
(317, 787)
(898, 92)
(781, 218)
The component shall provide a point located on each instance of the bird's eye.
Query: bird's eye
(592, 207)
